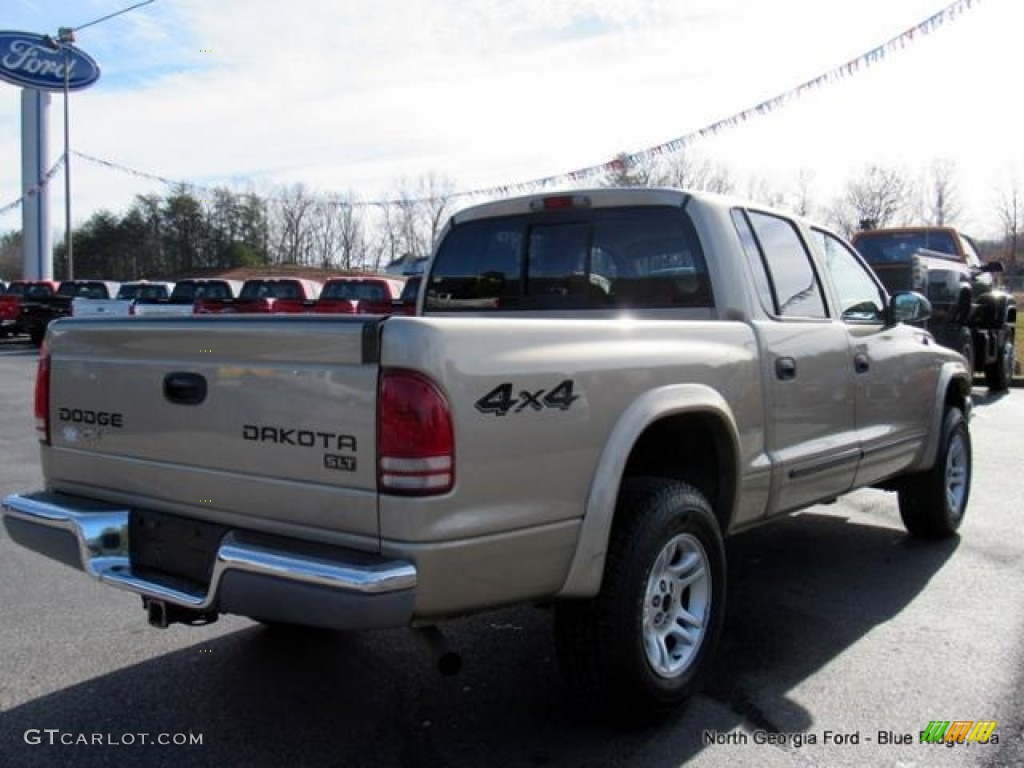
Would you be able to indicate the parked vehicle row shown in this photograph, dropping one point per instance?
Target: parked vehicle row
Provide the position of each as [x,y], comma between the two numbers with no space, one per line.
[29,306]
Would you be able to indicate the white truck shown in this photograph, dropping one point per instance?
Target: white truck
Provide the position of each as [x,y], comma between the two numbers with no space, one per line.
[123,303]
[595,389]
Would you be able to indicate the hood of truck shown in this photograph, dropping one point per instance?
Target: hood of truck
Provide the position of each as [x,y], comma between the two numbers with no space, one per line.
[233,419]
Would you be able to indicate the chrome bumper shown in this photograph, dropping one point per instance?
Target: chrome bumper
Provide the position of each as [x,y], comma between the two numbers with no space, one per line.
[271,578]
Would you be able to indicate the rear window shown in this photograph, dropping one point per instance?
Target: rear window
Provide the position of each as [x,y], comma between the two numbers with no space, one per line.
[899,247]
[270,289]
[35,291]
[83,290]
[355,290]
[631,257]
[186,293]
[152,292]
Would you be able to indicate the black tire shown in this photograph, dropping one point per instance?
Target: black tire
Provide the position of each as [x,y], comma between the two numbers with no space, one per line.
[37,335]
[933,503]
[999,374]
[606,644]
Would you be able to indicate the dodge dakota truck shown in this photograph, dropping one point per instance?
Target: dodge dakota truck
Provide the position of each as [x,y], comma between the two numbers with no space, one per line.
[595,389]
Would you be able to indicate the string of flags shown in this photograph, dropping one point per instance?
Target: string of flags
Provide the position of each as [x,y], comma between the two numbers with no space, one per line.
[852,67]
[37,187]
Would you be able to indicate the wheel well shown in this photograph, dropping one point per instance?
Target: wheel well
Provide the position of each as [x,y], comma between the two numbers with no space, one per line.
[956,395]
[694,448]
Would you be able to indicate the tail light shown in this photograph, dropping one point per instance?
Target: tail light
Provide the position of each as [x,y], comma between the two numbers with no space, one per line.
[416,444]
[42,395]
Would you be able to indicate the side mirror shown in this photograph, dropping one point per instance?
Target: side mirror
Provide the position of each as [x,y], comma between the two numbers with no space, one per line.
[908,307]
[992,266]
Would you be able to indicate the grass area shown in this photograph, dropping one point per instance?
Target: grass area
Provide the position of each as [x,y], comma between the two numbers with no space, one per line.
[1019,365]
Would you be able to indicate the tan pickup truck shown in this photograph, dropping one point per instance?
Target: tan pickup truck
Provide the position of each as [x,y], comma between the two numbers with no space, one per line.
[595,389]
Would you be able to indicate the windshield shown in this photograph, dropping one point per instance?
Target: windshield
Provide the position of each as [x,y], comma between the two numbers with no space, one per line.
[899,247]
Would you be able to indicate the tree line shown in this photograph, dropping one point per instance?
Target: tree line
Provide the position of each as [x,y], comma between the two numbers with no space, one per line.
[191,232]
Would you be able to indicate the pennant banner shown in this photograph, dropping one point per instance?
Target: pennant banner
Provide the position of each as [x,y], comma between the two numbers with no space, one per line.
[851,67]
[35,188]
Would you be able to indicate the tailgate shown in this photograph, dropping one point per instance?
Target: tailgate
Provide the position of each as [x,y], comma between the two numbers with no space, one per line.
[224,418]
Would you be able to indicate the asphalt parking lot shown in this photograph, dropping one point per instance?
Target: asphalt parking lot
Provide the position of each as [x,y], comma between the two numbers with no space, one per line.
[844,639]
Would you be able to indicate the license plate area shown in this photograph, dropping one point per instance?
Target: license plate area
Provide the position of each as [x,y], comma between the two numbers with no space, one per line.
[174,550]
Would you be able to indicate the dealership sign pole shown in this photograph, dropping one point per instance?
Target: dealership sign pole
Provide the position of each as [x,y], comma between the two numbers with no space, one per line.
[41,64]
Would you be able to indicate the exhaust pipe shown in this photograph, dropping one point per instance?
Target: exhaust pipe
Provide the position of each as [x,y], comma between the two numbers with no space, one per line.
[449,662]
[161,614]
[156,613]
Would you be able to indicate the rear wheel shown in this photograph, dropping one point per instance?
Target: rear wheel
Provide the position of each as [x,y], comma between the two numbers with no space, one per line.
[933,503]
[644,642]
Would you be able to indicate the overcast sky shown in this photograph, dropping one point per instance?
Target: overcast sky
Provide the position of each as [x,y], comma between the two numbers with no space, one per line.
[351,96]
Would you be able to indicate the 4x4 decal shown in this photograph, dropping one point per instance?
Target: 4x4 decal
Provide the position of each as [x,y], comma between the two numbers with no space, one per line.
[501,399]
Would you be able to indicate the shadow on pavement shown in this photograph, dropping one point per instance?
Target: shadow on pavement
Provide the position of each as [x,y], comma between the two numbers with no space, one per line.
[988,397]
[801,592]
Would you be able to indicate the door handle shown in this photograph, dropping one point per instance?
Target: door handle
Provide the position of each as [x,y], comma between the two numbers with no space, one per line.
[184,388]
[861,363]
[785,368]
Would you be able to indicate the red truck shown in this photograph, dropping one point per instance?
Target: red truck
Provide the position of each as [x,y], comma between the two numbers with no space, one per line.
[359,295]
[265,295]
[10,303]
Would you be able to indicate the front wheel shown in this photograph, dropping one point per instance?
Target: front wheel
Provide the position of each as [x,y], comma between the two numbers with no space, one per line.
[1000,373]
[644,642]
[933,503]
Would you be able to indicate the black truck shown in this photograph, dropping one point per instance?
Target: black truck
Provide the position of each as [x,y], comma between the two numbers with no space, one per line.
[37,313]
[969,313]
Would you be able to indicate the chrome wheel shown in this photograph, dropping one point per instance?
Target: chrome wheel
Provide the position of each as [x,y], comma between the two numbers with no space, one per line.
[957,474]
[677,605]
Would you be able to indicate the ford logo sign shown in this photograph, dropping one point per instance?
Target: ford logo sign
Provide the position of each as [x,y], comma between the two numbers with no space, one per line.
[27,59]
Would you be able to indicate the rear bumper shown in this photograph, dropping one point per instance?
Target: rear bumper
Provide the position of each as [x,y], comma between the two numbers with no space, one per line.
[271,578]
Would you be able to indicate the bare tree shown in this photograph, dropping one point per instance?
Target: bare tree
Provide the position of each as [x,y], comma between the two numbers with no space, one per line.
[351,236]
[630,171]
[436,193]
[325,230]
[799,198]
[290,224]
[761,190]
[876,197]
[1010,209]
[941,194]
[413,220]
[687,170]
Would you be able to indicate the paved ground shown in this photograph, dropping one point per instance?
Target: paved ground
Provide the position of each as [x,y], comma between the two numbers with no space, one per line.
[838,624]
